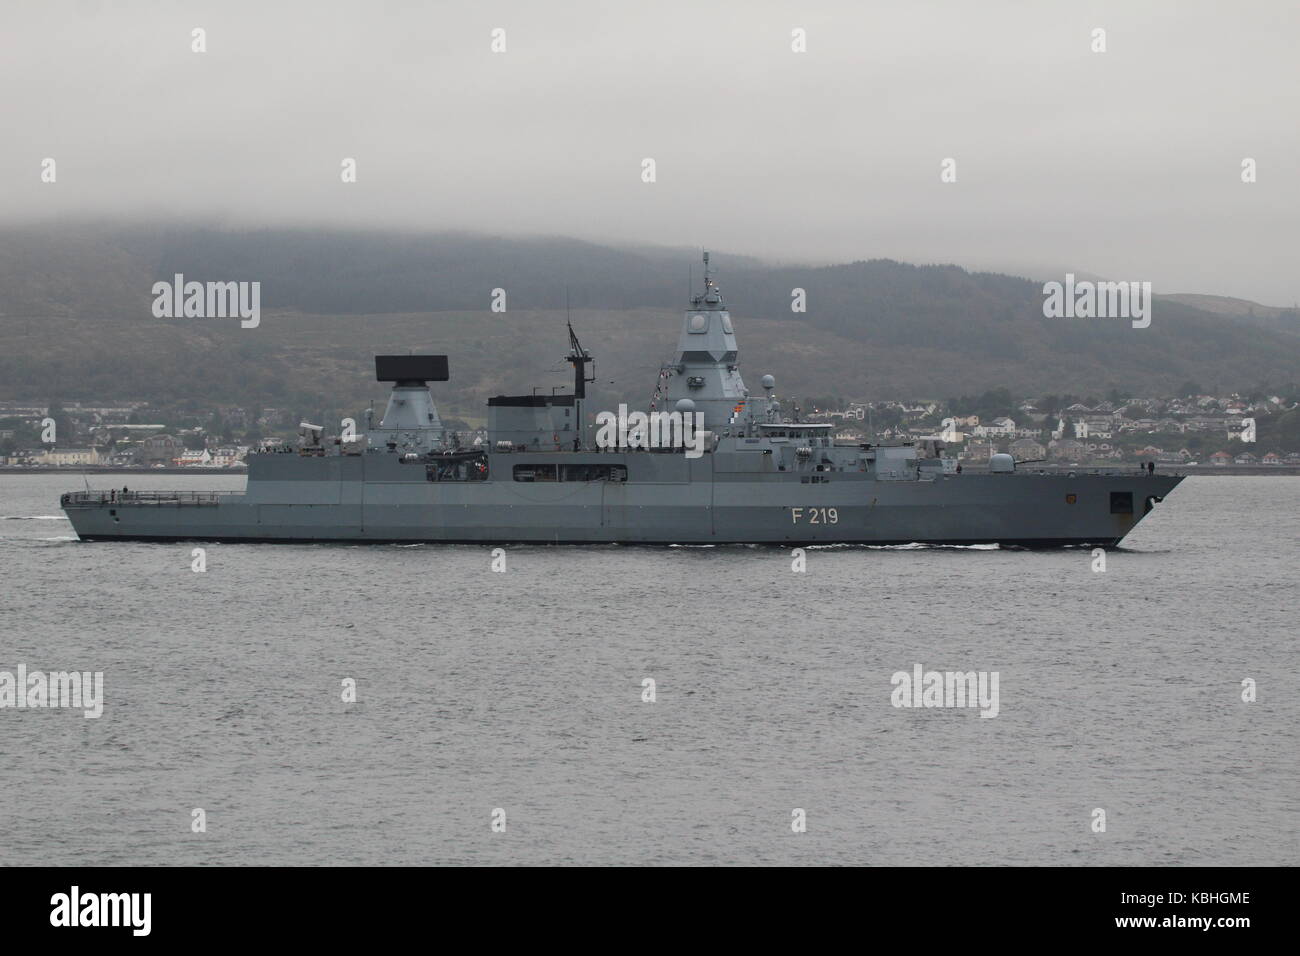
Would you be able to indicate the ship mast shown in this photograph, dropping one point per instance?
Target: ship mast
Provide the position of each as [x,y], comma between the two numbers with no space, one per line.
[705,372]
[712,295]
[579,358]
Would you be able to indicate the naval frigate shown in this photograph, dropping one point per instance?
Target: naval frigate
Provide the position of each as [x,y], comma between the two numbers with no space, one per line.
[752,475]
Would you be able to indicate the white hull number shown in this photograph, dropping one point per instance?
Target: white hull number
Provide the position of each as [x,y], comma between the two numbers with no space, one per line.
[814,515]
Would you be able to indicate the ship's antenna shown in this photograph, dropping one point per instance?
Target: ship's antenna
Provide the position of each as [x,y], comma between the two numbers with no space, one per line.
[711,293]
[580,358]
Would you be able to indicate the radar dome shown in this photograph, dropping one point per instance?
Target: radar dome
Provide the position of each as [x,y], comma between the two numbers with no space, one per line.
[685,405]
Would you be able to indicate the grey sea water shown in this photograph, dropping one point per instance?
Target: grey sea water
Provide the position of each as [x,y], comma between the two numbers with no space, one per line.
[522,691]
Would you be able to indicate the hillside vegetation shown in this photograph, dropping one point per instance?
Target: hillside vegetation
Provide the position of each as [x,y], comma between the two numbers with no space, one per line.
[77,322]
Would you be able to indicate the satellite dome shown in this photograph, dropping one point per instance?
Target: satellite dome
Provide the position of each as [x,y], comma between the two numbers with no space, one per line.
[768,381]
[685,405]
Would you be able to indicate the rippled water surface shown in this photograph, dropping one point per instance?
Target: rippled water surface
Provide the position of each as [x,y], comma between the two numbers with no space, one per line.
[522,690]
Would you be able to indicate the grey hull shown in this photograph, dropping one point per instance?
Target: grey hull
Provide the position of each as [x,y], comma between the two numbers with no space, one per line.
[667,499]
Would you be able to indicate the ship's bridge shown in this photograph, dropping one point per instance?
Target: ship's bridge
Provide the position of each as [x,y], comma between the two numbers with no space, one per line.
[818,434]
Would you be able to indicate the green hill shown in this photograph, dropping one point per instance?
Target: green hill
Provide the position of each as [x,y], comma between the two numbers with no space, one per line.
[77,322]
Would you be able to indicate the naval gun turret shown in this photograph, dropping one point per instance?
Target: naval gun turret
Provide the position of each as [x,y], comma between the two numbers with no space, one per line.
[410,424]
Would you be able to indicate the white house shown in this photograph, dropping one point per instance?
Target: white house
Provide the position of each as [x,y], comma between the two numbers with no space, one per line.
[998,428]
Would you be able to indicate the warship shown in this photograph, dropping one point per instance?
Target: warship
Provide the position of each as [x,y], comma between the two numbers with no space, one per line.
[745,474]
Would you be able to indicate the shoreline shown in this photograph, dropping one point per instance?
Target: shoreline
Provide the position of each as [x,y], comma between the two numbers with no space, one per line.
[1237,470]
[97,470]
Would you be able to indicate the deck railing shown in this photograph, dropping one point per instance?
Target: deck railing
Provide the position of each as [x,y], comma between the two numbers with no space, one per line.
[103,499]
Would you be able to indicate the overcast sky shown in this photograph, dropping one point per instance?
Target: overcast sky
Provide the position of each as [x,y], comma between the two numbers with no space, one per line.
[1125,163]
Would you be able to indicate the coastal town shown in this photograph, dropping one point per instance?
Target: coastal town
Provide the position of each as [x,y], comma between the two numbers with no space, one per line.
[1193,431]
